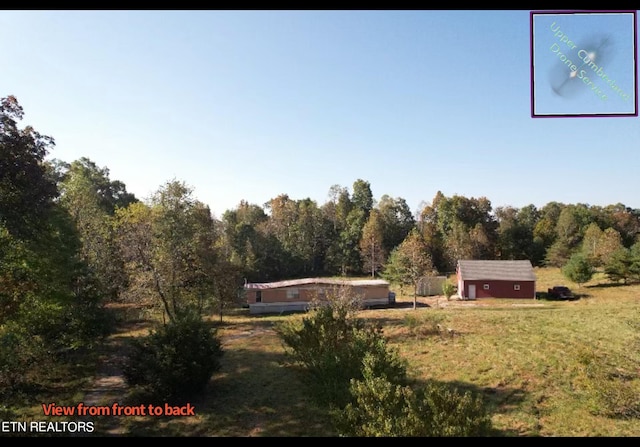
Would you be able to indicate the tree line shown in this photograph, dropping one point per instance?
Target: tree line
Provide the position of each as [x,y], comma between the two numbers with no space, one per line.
[353,234]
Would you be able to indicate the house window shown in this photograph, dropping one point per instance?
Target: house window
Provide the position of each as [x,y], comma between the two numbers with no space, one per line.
[258,296]
[516,287]
[293,294]
[485,286]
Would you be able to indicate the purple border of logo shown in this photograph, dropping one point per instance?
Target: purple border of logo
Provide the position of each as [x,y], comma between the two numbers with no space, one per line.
[635,64]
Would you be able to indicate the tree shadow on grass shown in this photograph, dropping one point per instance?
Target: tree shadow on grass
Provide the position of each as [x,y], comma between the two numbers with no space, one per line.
[607,285]
[254,393]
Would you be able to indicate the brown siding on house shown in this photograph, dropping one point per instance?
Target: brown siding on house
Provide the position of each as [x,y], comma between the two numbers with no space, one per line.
[501,289]
[310,289]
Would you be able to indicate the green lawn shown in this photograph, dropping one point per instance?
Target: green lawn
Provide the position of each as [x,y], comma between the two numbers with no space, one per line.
[544,368]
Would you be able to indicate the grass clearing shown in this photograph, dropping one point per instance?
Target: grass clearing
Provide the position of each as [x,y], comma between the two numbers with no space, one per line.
[544,368]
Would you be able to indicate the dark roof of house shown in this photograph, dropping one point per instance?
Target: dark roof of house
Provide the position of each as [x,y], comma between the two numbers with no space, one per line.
[496,270]
[316,281]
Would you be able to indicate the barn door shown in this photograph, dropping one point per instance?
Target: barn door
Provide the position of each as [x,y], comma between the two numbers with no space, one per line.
[472,291]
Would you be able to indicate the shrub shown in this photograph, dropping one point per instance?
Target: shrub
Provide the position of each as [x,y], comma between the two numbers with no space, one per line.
[23,359]
[41,335]
[348,366]
[175,361]
[448,289]
[330,347]
[382,408]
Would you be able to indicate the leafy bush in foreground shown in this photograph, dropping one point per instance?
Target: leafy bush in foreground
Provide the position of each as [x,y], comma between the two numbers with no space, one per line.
[175,361]
[381,408]
[331,347]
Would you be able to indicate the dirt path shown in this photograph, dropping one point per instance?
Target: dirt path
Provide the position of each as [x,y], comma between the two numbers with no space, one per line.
[108,386]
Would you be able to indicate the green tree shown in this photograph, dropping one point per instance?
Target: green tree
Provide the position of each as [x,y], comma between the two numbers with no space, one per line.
[111,194]
[347,251]
[410,262]
[336,210]
[362,197]
[394,270]
[48,300]
[610,242]
[172,252]
[251,246]
[572,224]
[448,289]
[89,196]
[371,244]
[516,234]
[619,266]
[578,269]
[349,242]
[466,227]
[434,239]
[397,221]
[591,244]
[544,232]
[625,221]
[558,253]
[26,189]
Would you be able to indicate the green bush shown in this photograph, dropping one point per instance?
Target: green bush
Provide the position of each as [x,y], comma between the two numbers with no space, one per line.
[23,359]
[348,366]
[330,346]
[383,409]
[175,361]
[448,289]
[42,334]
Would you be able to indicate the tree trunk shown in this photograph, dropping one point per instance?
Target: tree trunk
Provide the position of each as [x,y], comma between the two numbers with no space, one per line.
[415,296]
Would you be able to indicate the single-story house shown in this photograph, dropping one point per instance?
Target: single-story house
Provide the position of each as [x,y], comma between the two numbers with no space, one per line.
[297,294]
[495,279]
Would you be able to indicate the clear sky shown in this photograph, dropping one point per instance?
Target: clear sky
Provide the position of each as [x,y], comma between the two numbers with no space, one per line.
[247,105]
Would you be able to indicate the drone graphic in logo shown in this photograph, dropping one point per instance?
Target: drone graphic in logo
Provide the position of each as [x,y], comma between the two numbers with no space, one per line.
[574,72]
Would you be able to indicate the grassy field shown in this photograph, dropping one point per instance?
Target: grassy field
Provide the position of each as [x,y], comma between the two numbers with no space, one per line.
[544,368]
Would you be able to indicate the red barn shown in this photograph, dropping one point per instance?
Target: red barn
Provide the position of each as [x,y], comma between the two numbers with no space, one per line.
[495,279]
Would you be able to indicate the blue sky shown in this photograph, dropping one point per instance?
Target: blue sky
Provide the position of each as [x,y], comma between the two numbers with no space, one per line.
[247,105]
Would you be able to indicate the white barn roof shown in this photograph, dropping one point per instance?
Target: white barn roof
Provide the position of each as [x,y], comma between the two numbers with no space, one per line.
[476,270]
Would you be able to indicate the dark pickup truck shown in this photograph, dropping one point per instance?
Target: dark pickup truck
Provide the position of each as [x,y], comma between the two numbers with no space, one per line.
[560,293]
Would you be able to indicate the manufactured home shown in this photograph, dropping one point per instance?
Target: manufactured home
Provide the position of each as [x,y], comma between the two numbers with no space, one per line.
[297,294]
[495,279]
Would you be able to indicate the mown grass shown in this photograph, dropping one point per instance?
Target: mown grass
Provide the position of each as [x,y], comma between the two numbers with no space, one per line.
[544,368]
